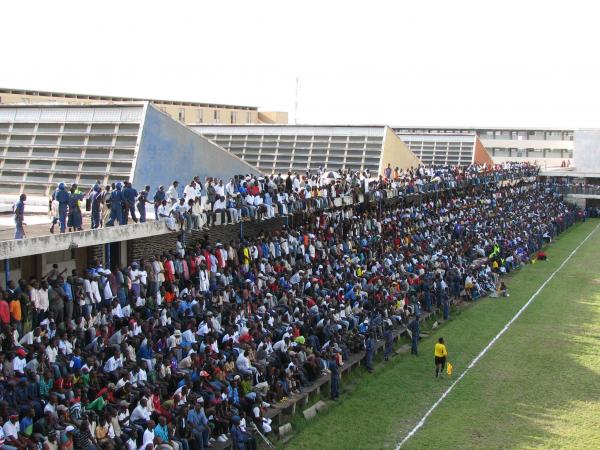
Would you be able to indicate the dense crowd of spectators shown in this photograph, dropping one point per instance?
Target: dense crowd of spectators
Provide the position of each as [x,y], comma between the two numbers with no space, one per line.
[197,205]
[192,346]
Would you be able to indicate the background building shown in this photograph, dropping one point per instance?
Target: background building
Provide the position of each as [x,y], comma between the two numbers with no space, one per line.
[186,112]
[281,148]
[587,156]
[42,145]
[549,147]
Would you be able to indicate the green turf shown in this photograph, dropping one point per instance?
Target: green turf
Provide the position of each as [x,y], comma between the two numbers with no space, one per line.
[537,387]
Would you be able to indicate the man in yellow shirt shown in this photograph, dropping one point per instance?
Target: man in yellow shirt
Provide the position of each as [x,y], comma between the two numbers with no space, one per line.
[440,352]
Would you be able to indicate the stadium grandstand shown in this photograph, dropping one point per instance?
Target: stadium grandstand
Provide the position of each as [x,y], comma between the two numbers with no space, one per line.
[42,145]
[283,148]
[441,149]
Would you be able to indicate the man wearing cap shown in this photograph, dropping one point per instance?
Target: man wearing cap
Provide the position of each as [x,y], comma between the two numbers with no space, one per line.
[199,424]
[242,440]
[12,432]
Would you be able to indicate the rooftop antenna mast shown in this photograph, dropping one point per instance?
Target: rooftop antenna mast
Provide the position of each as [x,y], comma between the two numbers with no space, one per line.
[296,102]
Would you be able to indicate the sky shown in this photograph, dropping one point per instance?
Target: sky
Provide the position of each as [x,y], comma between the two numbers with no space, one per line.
[429,63]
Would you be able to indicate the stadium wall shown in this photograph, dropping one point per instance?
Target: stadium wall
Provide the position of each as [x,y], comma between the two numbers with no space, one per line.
[170,151]
[396,153]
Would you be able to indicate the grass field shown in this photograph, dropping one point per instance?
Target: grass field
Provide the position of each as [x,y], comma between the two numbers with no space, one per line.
[537,387]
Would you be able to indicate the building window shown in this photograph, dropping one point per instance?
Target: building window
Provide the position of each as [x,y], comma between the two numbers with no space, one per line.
[248,117]
[200,115]
[216,115]
[181,114]
[232,116]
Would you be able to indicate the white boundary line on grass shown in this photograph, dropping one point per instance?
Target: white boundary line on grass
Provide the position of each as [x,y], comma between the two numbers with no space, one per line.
[487,347]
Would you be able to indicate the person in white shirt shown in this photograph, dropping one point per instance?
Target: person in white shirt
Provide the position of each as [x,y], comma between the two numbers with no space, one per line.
[172,194]
[190,191]
[230,187]
[19,362]
[138,377]
[141,413]
[243,364]
[12,429]
[282,345]
[220,189]
[219,207]
[148,439]
[249,203]
[114,362]
[164,214]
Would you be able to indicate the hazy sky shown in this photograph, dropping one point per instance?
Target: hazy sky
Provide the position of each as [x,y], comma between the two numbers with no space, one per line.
[495,63]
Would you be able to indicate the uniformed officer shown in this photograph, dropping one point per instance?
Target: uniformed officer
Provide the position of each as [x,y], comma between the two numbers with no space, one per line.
[129,195]
[116,205]
[62,196]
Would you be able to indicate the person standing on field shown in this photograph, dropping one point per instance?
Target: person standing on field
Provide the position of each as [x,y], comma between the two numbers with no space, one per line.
[440,352]
[415,331]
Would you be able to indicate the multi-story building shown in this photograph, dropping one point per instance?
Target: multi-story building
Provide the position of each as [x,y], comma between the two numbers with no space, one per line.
[549,147]
[184,111]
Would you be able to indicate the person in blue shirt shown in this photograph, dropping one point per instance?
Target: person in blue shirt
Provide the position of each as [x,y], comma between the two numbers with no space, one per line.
[333,367]
[129,195]
[75,220]
[369,352]
[388,337]
[159,196]
[242,440]
[62,196]
[145,353]
[414,329]
[116,206]
[199,424]
[141,203]
[19,210]
[161,431]
[67,286]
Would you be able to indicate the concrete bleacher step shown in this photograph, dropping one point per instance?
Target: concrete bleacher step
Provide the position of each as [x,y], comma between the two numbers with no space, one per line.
[405,348]
[311,412]
[285,429]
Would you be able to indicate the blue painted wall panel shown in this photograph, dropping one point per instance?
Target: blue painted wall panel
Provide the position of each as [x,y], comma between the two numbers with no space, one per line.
[171,151]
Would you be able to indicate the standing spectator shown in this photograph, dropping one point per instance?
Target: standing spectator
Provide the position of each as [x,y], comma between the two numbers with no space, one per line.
[172,195]
[19,210]
[142,201]
[75,221]
[369,352]
[96,206]
[333,367]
